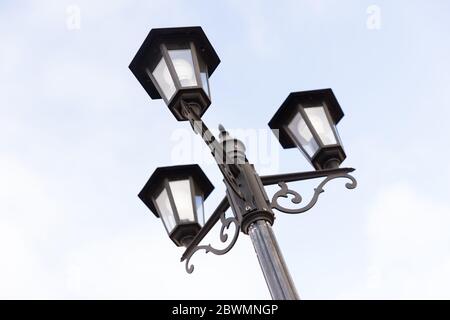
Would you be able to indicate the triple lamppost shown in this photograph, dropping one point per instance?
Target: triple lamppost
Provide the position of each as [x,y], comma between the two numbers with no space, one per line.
[174,64]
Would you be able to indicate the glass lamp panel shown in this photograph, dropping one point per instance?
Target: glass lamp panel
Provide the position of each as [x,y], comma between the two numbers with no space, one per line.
[204,76]
[165,81]
[200,209]
[165,210]
[303,135]
[339,141]
[181,192]
[184,66]
[321,124]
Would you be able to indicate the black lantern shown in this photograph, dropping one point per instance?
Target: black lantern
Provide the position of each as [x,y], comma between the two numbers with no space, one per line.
[174,64]
[307,120]
[176,194]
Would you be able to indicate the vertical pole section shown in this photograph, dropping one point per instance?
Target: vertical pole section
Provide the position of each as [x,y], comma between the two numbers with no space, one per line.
[275,271]
[256,218]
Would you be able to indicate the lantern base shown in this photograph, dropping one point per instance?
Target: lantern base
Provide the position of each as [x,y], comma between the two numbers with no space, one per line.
[327,157]
[196,96]
[183,232]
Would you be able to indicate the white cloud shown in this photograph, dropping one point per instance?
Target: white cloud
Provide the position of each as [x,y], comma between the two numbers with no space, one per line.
[18,265]
[27,215]
[408,247]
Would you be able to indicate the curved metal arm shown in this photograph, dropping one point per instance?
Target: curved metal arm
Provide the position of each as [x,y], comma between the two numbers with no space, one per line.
[297,198]
[226,165]
[226,223]
[304,175]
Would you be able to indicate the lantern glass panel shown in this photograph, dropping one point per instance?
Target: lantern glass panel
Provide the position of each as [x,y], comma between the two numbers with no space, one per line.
[164,79]
[165,210]
[184,66]
[200,209]
[303,135]
[204,76]
[182,195]
[321,124]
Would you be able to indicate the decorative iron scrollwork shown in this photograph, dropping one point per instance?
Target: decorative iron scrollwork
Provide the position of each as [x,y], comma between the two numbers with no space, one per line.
[226,223]
[297,198]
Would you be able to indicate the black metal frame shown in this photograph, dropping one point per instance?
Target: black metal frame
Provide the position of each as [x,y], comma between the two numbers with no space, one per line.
[296,103]
[160,180]
[156,47]
[245,192]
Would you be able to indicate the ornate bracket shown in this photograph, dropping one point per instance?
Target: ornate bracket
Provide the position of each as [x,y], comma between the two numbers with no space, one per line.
[297,198]
[218,214]
[226,222]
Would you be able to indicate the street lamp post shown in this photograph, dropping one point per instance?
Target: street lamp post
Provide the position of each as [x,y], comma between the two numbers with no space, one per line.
[174,64]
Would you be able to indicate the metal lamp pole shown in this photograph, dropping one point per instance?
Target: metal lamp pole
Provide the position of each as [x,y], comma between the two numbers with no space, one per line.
[251,204]
[258,224]
[271,260]
[174,64]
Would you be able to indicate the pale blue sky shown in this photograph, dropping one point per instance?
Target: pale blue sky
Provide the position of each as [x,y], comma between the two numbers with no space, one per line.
[79,137]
